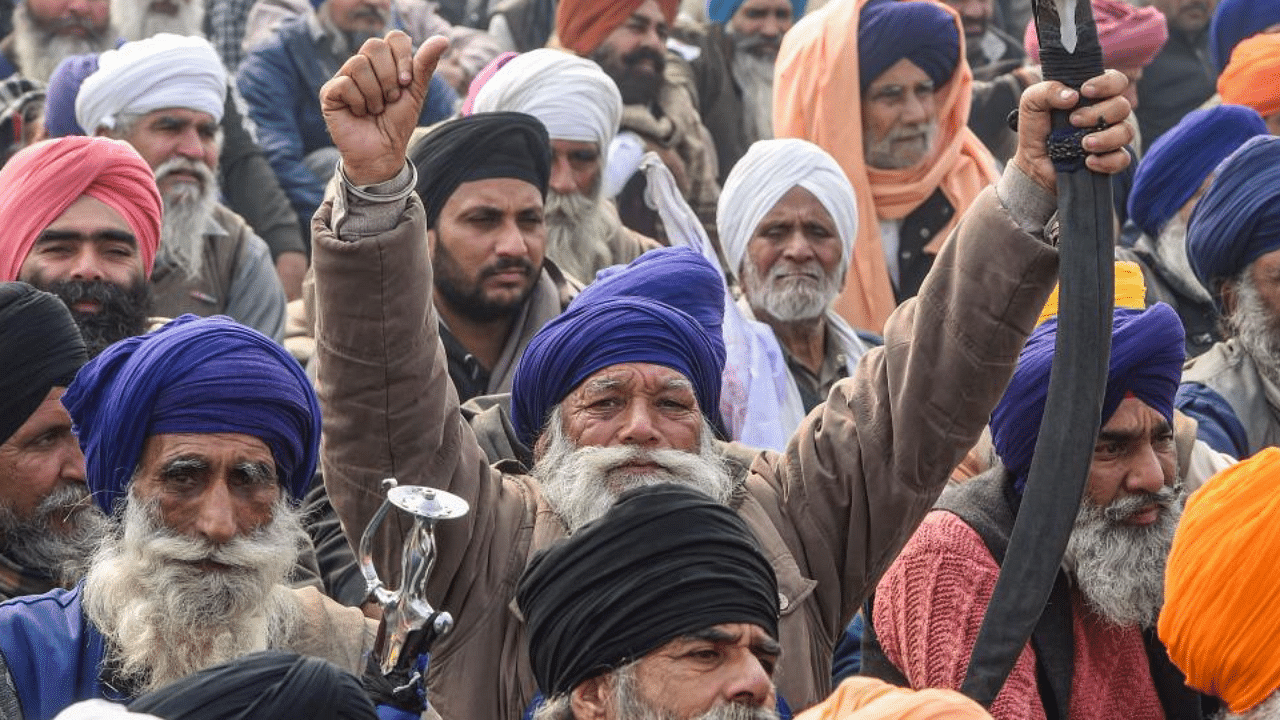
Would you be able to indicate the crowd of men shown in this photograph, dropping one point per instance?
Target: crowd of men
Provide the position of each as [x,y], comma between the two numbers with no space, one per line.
[732,323]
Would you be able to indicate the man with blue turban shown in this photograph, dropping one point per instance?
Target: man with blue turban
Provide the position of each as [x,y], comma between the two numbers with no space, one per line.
[1233,242]
[621,392]
[1237,20]
[199,440]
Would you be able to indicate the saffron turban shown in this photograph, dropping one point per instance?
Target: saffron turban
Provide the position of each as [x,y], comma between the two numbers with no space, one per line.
[1220,591]
[1147,353]
[1235,20]
[865,698]
[163,71]
[570,95]
[590,337]
[43,180]
[1131,37]
[1253,76]
[769,170]
[719,11]
[923,33]
[663,562]
[1176,165]
[1131,291]
[194,375]
[40,349]
[1238,218]
[582,25]
[480,147]
[60,100]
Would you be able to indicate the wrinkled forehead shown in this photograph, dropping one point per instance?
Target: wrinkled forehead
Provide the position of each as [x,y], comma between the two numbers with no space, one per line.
[633,378]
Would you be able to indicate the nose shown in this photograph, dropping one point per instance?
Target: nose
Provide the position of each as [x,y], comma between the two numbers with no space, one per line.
[772,26]
[190,145]
[562,176]
[638,426]
[78,7]
[750,683]
[797,249]
[216,516]
[87,264]
[915,110]
[1146,473]
[510,240]
[73,463]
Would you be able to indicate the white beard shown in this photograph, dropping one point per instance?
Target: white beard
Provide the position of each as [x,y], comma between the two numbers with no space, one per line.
[790,299]
[580,231]
[165,617]
[39,50]
[754,75]
[1255,328]
[187,211]
[137,21]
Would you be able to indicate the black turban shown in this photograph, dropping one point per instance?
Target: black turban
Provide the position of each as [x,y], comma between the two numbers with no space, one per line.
[271,684]
[664,562]
[480,147]
[40,349]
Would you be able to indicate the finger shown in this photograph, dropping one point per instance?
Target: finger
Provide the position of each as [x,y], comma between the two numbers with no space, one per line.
[1110,163]
[401,46]
[360,70]
[382,62]
[1113,138]
[425,61]
[1109,111]
[1109,84]
[340,93]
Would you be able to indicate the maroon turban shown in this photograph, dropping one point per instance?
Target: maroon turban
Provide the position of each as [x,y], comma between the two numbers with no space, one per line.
[1131,37]
[581,25]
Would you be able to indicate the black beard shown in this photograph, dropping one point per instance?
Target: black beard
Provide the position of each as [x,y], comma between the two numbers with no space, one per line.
[470,302]
[638,87]
[123,312]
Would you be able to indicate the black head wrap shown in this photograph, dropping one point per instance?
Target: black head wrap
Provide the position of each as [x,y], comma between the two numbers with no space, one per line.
[40,349]
[272,684]
[665,561]
[480,147]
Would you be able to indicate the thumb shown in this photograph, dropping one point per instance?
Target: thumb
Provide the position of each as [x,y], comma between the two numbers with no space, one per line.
[424,64]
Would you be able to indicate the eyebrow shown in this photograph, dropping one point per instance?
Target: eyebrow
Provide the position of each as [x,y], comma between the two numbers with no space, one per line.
[106,235]
[184,464]
[678,383]
[766,645]
[259,472]
[1129,435]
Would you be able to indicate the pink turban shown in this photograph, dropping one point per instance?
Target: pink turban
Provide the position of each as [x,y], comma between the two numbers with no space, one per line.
[39,183]
[1131,37]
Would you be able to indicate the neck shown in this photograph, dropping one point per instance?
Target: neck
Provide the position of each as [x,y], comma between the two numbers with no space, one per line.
[805,340]
[484,339]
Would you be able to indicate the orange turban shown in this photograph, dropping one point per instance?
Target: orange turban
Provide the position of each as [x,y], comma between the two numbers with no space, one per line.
[581,25]
[1253,76]
[39,183]
[1221,585]
[864,698]
[817,97]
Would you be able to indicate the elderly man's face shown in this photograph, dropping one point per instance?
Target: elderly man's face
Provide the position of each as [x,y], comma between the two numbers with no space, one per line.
[899,117]
[39,458]
[975,15]
[139,19]
[180,145]
[75,18]
[575,168]
[360,16]
[794,262]
[1134,456]
[634,54]
[637,404]
[766,21]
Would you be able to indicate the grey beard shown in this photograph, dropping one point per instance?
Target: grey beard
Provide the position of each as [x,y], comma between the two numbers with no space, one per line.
[754,77]
[64,553]
[39,50]
[1255,328]
[582,483]
[1119,567]
[187,212]
[580,230]
[136,21]
[1268,709]
[1171,251]
[880,154]
[165,617]
[787,300]
[630,705]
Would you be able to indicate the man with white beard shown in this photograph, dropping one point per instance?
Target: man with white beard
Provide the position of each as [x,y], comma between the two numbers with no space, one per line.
[1091,654]
[165,96]
[581,108]
[633,386]
[141,19]
[202,487]
[46,31]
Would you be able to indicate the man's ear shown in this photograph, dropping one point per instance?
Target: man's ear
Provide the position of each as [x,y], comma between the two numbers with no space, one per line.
[1228,292]
[592,698]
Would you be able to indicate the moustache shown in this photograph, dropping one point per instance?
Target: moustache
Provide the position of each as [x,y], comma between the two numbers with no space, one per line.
[1124,508]
[508,264]
[635,57]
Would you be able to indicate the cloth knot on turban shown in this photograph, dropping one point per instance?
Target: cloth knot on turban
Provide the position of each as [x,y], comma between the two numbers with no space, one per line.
[1147,353]
[1235,20]
[663,562]
[41,181]
[194,375]
[582,25]
[570,95]
[1131,37]
[480,147]
[922,32]
[1176,165]
[163,71]
[769,170]
[64,86]
[1252,76]
[589,337]
[720,11]
[1220,586]
[40,349]
[1238,218]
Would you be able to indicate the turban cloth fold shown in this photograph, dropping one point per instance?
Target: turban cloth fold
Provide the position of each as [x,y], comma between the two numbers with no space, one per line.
[64,86]
[921,32]
[41,181]
[1253,76]
[163,71]
[1176,164]
[480,147]
[719,11]
[271,684]
[663,562]
[582,25]
[865,698]
[1235,20]
[482,78]
[769,170]
[40,349]
[1238,218]
[194,375]
[1131,37]
[1147,353]
[570,95]
[590,337]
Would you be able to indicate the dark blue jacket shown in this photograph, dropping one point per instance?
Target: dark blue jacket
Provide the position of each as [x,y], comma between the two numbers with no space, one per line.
[53,652]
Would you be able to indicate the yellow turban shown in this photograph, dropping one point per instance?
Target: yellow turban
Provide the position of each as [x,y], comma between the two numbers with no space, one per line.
[1251,76]
[863,698]
[1131,291]
[1222,585]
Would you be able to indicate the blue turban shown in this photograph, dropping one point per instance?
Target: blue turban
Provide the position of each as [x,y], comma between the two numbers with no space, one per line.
[719,11]
[1178,162]
[60,100]
[1236,20]
[1238,219]
[589,337]
[194,375]
[922,32]
[1146,361]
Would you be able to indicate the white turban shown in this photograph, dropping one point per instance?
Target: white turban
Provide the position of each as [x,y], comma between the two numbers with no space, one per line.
[767,172]
[572,96]
[164,71]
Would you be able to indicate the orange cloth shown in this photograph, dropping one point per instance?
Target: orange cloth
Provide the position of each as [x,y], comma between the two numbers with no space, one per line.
[581,25]
[1253,76]
[816,97]
[864,698]
[1221,585]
